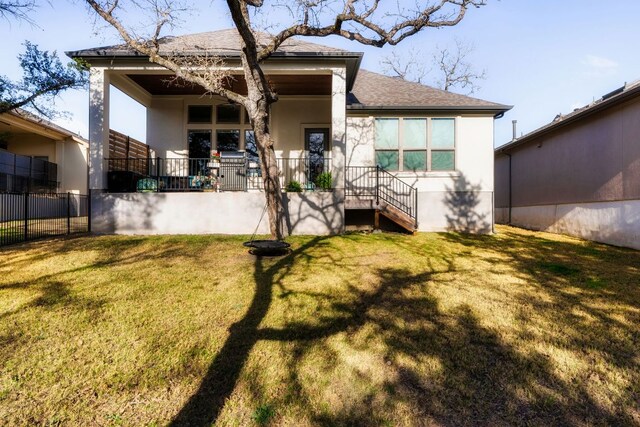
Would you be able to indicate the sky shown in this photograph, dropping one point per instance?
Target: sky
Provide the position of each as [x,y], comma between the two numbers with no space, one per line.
[544,57]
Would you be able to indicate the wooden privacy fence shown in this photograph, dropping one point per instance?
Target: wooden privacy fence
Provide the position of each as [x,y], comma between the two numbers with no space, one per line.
[122,146]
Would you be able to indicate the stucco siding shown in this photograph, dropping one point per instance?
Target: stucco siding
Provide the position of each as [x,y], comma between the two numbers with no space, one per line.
[32,145]
[463,211]
[594,160]
[167,124]
[447,200]
[165,128]
[74,171]
[290,116]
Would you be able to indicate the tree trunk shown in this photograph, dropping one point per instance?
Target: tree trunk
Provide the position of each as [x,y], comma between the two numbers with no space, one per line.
[270,175]
[258,100]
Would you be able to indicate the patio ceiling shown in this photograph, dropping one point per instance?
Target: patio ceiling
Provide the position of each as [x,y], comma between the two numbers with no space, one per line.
[158,84]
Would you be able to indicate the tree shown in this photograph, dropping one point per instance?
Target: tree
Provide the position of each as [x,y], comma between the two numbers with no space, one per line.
[453,70]
[43,75]
[371,22]
[18,10]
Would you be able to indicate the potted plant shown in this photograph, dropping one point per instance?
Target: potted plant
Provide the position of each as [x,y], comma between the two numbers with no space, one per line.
[293,187]
[214,162]
[324,181]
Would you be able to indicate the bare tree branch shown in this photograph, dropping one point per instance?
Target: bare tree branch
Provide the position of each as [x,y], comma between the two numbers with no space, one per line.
[18,10]
[409,67]
[451,70]
[360,23]
[192,69]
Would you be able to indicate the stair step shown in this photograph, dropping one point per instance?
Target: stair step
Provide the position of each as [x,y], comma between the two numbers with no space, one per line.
[399,217]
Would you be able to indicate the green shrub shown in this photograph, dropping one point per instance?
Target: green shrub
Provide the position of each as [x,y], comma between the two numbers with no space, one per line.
[324,181]
[294,187]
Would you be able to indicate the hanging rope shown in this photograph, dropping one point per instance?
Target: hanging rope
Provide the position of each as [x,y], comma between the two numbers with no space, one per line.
[266,247]
[253,236]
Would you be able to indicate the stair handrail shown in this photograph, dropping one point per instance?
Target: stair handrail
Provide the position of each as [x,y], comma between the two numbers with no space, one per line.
[410,206]
[382,191]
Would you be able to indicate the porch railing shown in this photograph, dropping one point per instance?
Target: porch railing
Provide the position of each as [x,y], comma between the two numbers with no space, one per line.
[377,184]
[22,174]
[198,174]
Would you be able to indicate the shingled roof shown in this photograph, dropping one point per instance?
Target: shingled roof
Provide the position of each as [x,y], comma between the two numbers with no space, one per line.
[369,91]
[373,91]
[222,42]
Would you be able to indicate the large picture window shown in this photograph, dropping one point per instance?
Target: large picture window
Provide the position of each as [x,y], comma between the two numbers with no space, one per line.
[415,144]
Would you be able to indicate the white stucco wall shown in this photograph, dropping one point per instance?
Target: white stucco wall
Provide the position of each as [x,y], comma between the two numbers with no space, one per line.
[213,213]
[291,115]
[165,127]
[614,223]
[461,199]
[167,124]
[74,171]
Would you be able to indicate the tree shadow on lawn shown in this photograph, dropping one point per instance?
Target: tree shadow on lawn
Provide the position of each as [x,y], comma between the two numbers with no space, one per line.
[52,291]
[482,379]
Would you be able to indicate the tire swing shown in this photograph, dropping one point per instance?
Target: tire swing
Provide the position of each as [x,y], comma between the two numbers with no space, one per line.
[266,247]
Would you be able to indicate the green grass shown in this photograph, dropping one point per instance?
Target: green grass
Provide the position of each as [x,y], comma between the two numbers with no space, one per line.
[383,329]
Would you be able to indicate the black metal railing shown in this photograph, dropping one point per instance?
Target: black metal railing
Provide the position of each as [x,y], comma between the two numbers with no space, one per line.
[306,171]
[29,216]
[22,174]
[198,174]
[377,184]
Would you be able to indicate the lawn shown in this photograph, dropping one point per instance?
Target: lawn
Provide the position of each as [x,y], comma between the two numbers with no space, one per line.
[382,329]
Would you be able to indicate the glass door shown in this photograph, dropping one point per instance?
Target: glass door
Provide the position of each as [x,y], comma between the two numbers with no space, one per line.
[199,151]
[316,142]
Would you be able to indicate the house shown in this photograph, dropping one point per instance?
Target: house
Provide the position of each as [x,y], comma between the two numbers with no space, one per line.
[39,156]
[333,124]
[579,174]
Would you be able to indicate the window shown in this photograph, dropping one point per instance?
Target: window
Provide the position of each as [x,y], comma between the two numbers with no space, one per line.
[387,147]
[250,147]
[405,144]
[228,139]
[442,144]
[228,113]
[199,113]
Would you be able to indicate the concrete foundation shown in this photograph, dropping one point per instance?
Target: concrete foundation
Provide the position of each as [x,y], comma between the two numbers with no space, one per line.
[316,213]
[614,223]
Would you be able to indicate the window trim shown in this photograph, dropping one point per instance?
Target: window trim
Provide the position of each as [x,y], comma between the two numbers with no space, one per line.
[214,127]
[429,148]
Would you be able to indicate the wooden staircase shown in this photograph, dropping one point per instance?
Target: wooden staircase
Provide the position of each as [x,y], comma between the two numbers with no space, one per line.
[397,216]
[372,187]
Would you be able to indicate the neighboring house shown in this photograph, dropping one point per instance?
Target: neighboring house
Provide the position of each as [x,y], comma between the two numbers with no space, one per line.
[39,156]
[578,175]
[332,125]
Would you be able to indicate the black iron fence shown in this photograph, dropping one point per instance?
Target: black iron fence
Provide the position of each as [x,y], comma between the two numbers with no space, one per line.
[376,183]
[202,174]
[28,216]
[22,174]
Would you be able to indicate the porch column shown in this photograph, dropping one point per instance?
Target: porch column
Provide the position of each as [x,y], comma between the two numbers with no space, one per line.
[338,126]
[98,127]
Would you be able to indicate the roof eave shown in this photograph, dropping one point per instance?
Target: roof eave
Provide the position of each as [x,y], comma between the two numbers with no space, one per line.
[496,109]
[353,59]
[551,127]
